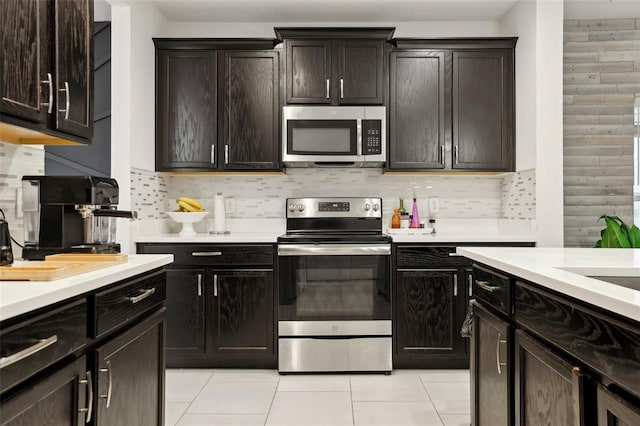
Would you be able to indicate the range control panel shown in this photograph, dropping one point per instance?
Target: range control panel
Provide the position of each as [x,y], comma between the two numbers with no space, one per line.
[354,207]
[371,137]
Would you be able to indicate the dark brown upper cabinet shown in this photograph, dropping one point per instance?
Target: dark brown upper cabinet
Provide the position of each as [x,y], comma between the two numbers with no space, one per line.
[451,105]
[217,105]
[337,66]
[47,71]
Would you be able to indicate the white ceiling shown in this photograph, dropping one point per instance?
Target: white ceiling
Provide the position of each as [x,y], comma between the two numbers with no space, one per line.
[376,10]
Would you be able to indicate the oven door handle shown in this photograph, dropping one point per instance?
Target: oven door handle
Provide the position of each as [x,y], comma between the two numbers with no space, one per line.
[334,249]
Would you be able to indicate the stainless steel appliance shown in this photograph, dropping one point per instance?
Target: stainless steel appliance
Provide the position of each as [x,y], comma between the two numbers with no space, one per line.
[334,136]
[334,295]
[6,254]
[70,214]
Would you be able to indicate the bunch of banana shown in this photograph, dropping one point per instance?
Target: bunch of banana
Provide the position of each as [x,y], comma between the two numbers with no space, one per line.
[186,204]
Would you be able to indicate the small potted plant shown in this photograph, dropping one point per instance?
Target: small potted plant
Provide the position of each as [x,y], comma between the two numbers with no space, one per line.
[618,234]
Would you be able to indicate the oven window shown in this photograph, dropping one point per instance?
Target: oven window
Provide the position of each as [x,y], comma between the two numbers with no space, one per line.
[323,137]
[334,288]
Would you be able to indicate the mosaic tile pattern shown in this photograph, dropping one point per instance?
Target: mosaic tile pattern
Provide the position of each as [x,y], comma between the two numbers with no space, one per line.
[149,191]
[519,195]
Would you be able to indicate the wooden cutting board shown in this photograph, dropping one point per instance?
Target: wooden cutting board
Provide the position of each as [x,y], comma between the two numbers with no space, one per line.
[63,265]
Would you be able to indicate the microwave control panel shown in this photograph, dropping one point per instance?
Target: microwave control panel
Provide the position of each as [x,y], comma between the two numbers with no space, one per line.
[371,137]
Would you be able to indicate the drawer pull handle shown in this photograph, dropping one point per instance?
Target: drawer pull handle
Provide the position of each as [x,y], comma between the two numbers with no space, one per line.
[215,285]
[142,296]
[454,254]
[109,388]
[26,353]
[87,410]
[498,363]
[206,253]
[485,286]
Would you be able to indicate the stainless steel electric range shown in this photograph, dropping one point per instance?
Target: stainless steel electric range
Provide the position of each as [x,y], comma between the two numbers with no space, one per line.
[334,296]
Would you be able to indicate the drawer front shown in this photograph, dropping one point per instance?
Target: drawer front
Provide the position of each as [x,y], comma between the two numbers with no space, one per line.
[492,288]
[30,346]
[215,255]
[122,303]
[429,257]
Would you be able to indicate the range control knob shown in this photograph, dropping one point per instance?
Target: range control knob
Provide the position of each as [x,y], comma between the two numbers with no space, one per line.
[367,207]
[376,207]
[301,207]
[292,208]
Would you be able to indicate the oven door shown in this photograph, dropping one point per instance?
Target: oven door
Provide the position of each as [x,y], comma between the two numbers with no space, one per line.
[334,282]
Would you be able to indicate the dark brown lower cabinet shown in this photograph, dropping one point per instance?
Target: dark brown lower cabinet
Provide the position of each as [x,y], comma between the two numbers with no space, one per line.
[614,410]
[491,370]
[130,382]
[56,400]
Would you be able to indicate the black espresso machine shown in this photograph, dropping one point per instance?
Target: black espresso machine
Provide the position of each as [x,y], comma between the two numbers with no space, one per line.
[70,214]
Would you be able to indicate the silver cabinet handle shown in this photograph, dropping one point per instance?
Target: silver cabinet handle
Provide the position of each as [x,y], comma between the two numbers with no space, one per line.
[470,279]
[109,388]
[226,154]
[145,293]
[327,89]
[485,286]
[442,154]
[454,254]
[333,249]
[215,285]
[455,153]
[206,253]
[341,88]
[49,82]
[26,353]
[213,154]
[199,285]
[89,408]
[68,101]
[455,285]
[498,363]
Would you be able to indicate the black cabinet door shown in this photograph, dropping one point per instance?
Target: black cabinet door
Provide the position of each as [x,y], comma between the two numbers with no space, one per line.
[548,389]
[185,313]
[490,370]
[308,71]
[243,314]
[130,383]
[25,68]
[614,410]
[186,110]
[419,110]
[427,318]
[483,125]
[74,66]
[59,399]
[360,72]
[250,107]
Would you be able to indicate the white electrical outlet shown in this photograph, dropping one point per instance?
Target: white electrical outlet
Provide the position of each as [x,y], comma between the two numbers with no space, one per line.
[230,205]
[434,205]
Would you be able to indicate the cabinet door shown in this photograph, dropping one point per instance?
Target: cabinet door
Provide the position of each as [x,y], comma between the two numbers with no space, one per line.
[360,70]
[427,315]
[74,66]
[308,71]
[186,110]
[185,313]
[483,125]
[613,410]
[250,106]
[130,373]
[418,111]
[24,52]
[243,313]
[490,370]
[59,399]
[548,389]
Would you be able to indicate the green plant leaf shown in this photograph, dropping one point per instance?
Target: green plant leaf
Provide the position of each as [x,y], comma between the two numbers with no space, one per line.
[616,232]
[634,236]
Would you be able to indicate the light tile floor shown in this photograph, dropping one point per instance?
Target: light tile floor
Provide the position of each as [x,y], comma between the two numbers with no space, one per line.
[263,397]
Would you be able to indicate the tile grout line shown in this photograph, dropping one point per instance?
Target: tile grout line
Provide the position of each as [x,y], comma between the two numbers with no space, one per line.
[430,400]
[353,413]
[272,399]
[192,399]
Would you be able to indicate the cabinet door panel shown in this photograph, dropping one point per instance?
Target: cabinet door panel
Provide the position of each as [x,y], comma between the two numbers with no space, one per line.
[185,312]
[418,110]
[186,123]
[23,30]
[74,66]
[308,70]
[250,106]
[243,312]
[613,410]
[483,110]
[360,69]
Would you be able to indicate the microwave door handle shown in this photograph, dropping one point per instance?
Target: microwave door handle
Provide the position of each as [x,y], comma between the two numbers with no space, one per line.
[359,138]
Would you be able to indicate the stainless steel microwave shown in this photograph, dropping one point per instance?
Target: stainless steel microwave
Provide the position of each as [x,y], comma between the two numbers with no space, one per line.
[316,136]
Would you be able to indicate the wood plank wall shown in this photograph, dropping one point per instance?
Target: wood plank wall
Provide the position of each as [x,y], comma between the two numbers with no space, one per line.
[601,78]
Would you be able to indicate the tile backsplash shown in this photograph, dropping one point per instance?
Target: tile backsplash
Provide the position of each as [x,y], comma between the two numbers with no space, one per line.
[149,192]
[519,195]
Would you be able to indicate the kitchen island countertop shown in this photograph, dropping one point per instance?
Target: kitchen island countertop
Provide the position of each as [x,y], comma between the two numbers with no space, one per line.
[569,271]
[20,297]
